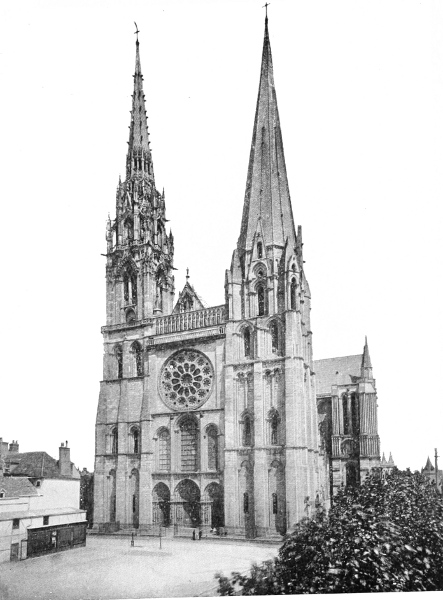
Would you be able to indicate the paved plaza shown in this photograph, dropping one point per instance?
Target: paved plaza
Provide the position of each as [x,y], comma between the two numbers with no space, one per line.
[109,568]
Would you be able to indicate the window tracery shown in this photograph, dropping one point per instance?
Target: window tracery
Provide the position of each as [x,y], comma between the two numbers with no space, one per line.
[186,380]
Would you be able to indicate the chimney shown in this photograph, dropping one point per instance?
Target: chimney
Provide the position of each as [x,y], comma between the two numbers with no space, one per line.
[64,460]
[13,446]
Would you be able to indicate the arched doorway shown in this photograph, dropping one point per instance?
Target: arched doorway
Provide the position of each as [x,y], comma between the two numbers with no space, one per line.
[215,494]
[161,504]
[189,493]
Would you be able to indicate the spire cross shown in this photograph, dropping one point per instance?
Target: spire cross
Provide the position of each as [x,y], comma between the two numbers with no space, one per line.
[187,274]
[136,32]
[266,6]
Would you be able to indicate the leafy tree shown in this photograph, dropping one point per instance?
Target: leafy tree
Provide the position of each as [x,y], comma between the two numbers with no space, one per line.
[87,495]
[384,536]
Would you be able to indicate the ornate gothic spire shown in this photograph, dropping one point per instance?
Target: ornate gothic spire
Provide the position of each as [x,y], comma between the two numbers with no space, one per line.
[139,158]
[267,196]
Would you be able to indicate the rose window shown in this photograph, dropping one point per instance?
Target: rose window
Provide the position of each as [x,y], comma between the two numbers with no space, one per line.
[186,380]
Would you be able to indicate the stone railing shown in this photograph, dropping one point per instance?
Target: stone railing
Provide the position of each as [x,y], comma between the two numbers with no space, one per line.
[196,319]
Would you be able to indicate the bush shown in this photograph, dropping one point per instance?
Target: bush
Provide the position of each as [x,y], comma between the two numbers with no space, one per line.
[384,536]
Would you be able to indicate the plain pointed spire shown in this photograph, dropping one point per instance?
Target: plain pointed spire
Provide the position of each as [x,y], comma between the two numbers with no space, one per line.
[267,198]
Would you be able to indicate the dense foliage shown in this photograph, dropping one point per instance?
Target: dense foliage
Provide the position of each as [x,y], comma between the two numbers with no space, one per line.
[386,535]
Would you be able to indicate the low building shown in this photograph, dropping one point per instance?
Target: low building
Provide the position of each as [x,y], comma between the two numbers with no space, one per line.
[39,503]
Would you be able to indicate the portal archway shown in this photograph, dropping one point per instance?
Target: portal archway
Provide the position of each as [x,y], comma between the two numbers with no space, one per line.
[214,492]
[188,495]
[161,504]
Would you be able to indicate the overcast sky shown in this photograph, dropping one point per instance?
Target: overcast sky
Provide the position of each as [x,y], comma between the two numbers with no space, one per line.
[360,95]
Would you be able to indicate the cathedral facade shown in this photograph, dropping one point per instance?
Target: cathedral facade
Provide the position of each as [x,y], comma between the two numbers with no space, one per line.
[214,416]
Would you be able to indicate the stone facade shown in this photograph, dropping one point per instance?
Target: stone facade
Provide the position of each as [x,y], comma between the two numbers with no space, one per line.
[208,416]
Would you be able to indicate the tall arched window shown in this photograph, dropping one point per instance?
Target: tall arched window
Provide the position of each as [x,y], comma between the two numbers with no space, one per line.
[126,287]
[119,358]
[189,444]
[274,427]
[134,288]
[261,300]
[245,502]
[355,415]
[212,434]
[346,429]
[135,434]
[112,496]
[274,504]
[293,292]
[259,250]
[274,336]
[247,342]
[137,351]
[114,441]
[164,450]
[247,431]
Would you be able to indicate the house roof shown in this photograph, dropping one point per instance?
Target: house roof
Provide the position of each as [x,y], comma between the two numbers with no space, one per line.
[342,370]
[34,464]
[17,486]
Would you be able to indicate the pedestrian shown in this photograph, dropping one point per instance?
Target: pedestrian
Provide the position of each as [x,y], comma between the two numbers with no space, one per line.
[193,535]
[200,533]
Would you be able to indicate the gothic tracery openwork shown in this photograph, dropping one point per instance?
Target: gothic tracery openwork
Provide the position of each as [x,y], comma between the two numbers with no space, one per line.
[186,380]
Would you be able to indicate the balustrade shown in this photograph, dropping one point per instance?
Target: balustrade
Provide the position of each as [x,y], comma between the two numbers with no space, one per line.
[191,320]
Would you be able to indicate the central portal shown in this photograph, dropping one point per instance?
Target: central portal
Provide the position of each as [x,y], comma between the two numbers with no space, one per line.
[189,492]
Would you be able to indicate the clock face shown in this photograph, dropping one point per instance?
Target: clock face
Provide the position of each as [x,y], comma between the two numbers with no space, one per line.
[186,380]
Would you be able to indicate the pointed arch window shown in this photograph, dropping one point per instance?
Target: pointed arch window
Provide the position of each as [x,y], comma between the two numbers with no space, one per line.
[189,444]
[273,422]
[134,288]
[274,504]
[114,441]
[137,351]
[259,250]
[164,450]
[275,341]
[119,358]
[293,292]
[346,428]
[247,343]
[261,300]
[126,287]
[135,435]
[247,431]
[245,502]
[213,461]
[355,415]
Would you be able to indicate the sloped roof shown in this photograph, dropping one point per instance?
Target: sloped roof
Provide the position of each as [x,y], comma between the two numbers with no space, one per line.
[188,293]
[33,464]
[17,486]
[342,370]
[42,512]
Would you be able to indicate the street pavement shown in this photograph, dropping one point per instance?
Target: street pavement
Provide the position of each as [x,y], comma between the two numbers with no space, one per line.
[109,568]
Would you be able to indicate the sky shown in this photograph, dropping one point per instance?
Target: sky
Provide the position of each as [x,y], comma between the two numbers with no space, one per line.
[360,94]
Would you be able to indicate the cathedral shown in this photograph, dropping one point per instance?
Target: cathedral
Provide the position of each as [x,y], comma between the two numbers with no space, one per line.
[218,416]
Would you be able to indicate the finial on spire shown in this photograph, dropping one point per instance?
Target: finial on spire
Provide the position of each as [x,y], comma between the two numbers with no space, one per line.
[266,7]
[137,31]
[187,274]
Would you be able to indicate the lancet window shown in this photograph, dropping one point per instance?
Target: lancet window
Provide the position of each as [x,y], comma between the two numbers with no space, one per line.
[293,293]
[213,461]
[189,444]
[261,300]
[275,341]
[247,431]
[247,343]
[273,427]
[135,439]
[164,450]
[114,441]
[137,351]
[119,359]
[346,427]
[259,250]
